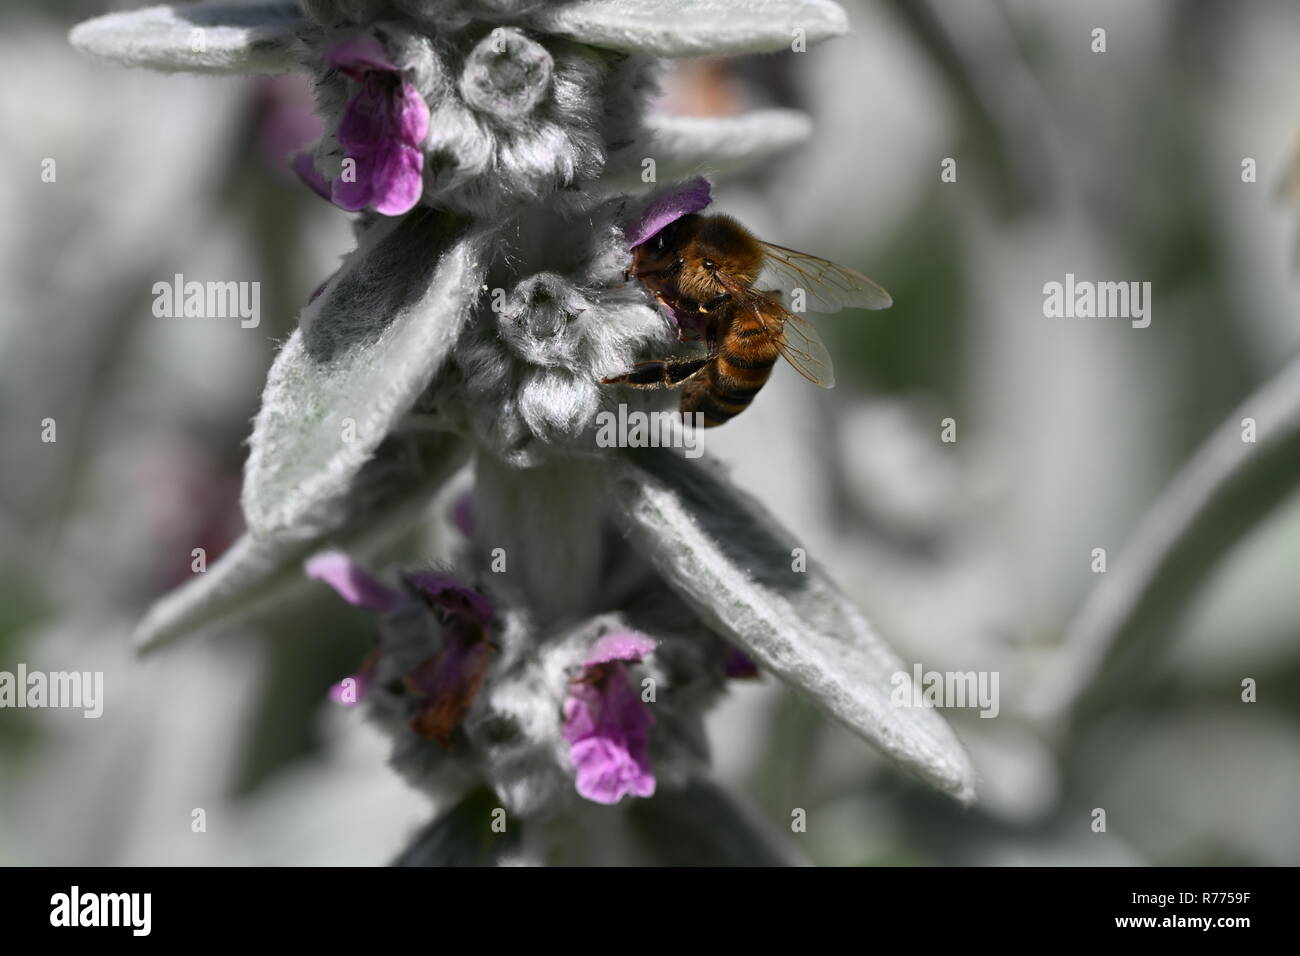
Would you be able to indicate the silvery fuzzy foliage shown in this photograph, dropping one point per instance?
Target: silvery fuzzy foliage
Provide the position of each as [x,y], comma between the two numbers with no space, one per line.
[531,361]
[514,118]
[479,324]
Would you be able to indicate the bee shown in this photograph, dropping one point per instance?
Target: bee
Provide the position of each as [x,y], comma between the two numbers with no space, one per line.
[733,289]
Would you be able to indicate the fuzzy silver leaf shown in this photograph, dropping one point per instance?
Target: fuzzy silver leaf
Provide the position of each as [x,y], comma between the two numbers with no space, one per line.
[255,573]
[686,146]
[367,348]
[694,27]
[727,557]
[210,37]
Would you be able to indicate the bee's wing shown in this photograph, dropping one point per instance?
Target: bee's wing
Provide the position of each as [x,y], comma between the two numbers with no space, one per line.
[826,286]
[794,337]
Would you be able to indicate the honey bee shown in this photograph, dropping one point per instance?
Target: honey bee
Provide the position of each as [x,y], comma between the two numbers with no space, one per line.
[711,271]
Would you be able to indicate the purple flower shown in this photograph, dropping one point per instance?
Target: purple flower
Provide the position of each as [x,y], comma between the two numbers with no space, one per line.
[446,682]
[606,723]
[665,209]
[353,583]
[382,129]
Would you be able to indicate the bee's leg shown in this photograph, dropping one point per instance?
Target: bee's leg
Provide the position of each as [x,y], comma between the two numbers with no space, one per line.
[661,373]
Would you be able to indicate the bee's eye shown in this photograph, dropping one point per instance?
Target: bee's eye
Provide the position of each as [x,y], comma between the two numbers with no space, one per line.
[710,264]
[659,242]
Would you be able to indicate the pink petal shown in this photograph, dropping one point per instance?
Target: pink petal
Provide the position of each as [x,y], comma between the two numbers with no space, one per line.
[607,726]
[398,180]
[412,116]
[619,646]
[352,583]
[367,124]
[667,208]
[383,129]
[358,193]
[607,772]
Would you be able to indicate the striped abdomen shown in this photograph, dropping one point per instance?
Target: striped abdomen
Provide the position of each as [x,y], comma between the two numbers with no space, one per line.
[741,366]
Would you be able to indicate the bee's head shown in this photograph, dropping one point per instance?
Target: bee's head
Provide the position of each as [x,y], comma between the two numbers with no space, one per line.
[720,244]
[685,258]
